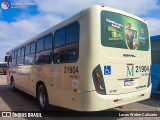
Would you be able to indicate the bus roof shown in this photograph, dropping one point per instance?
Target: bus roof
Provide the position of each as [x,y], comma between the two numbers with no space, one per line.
[156,37]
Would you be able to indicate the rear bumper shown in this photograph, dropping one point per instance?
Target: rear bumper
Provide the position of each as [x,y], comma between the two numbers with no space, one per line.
[96,102]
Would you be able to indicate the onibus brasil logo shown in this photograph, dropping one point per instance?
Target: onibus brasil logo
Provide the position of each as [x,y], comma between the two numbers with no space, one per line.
[5,5]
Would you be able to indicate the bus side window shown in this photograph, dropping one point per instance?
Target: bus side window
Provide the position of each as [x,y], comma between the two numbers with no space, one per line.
[30,54]
[48,41]
[20,56]
[72,55]
[44,50]
[59,42]
[12,54]
[27,53]
[14,60]
[19,52]
[60,55]
[72,38]
[72,34]
[59,38]
[39,49]
[67,51]
[56,58]
[22,52]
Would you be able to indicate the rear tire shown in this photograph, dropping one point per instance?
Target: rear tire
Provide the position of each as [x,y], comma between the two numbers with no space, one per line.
[42,98]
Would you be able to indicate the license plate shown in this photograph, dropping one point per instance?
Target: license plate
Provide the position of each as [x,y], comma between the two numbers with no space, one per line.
[128,82]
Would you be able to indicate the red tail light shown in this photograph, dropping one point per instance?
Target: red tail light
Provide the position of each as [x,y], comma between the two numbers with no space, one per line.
[116,100]
[99,81]
[142,94]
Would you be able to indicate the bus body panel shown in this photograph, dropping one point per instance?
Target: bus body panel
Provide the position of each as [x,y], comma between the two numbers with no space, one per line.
[77,90]
[66,88]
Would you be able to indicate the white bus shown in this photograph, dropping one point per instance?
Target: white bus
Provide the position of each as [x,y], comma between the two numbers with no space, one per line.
[98,59]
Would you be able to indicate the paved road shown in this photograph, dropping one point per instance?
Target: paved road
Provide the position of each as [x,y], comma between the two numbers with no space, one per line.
[19,101]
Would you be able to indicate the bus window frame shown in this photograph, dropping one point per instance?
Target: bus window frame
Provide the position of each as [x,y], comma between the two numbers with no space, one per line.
[49,35]
[29,53]
[44,50]
[65,45]
[15,57]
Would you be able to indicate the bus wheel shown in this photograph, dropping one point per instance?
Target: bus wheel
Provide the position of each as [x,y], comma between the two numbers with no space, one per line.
[42,98]
[13,88]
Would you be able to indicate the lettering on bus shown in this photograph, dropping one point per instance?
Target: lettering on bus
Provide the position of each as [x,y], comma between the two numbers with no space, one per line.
[74,76]
[131,69]
[144,74]
[71,69]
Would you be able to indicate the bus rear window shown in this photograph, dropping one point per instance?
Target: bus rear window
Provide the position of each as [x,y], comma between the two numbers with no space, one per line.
[120,31]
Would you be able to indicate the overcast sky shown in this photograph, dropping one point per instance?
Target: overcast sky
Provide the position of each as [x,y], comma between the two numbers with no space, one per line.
[19,24]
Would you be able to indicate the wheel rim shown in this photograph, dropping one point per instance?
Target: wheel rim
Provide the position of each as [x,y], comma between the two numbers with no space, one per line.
[42,98]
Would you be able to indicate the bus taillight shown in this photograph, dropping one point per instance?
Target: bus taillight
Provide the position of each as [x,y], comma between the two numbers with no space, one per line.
[99,81]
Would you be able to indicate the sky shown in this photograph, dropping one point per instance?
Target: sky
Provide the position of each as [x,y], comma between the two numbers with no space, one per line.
[25,19]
